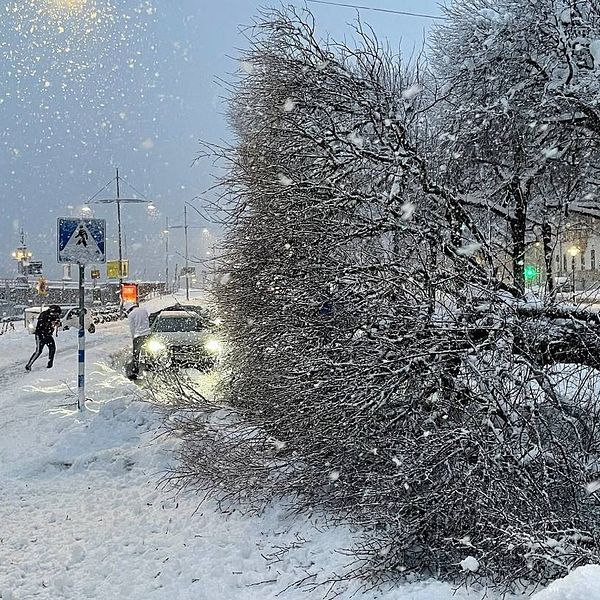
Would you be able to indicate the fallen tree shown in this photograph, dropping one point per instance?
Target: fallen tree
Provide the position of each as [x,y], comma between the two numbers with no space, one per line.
[379,363]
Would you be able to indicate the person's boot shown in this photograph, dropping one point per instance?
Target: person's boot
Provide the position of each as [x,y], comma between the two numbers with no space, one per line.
[28,367]
[50,363]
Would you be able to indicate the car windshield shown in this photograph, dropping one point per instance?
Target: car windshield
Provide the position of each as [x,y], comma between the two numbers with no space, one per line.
[169,324]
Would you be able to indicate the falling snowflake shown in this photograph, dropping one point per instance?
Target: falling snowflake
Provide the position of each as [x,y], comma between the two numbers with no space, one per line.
[412,92]
[289,105]
[284,179]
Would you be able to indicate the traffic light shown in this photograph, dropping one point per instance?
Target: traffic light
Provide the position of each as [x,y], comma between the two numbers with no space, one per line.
[530,272]
[42,286]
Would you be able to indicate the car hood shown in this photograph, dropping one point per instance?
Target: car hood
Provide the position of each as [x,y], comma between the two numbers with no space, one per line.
[182,338]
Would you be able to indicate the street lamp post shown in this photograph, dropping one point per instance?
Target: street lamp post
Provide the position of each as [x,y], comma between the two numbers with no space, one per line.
[119,234]
[187,263]
[166,234]
[118,201]
[186,257]
[185,228]
[573,252]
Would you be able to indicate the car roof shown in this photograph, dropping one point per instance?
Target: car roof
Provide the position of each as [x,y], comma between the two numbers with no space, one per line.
[184,307]
[178,314]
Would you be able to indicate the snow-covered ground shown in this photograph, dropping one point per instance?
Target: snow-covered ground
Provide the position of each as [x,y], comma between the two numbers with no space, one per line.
[81,515]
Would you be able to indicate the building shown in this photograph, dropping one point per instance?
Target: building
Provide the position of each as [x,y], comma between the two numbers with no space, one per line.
[576,255]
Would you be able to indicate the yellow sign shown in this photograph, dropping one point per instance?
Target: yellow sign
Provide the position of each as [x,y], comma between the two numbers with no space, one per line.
[112,269]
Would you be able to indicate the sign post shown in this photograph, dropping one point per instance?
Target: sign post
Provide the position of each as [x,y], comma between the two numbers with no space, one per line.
[81,341]
[81,241]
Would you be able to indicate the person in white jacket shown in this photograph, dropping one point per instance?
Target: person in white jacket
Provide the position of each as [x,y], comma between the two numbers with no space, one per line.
[139,325]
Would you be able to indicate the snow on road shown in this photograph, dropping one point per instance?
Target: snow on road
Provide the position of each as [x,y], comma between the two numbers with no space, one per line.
[81,515]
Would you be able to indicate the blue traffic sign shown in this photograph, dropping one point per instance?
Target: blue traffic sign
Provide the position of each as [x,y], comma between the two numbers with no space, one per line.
[81,241]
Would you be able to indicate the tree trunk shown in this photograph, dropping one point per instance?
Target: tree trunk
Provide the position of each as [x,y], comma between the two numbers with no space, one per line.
[547,243]
[517,226]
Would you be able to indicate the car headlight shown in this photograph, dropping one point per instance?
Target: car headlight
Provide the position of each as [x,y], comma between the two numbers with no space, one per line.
[213,346]
[155,346]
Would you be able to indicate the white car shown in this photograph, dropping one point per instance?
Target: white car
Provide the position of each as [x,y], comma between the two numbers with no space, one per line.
[182,337]
[71,319]
[30,317]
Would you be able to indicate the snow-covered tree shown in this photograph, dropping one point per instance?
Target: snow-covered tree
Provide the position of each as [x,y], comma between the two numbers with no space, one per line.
[519,76]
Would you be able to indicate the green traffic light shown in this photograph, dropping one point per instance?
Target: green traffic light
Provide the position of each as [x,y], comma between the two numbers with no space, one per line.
[530,272]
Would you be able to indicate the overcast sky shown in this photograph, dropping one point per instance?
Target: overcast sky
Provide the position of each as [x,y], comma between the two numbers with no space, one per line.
[89,85]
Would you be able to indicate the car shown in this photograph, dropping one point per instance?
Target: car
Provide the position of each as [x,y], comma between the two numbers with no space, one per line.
[563,284]
[30,317]
[71,319]
[68,318]
[32,313]
[192,309]
[182,337]
[11,319]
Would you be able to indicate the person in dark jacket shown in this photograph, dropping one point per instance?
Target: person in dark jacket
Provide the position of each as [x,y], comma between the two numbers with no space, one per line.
[47,322]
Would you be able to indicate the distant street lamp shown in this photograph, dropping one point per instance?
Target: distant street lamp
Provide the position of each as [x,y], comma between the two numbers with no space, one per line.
[22,255]
[166,235]
[573,252]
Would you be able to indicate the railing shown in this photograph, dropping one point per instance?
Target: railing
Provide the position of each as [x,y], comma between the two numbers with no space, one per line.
[56,284]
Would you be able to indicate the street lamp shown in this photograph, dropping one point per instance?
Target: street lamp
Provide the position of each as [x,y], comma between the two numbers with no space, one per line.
[187,264]
[573,252]
[22,254]
[118,201]
[185,228]
[166,234]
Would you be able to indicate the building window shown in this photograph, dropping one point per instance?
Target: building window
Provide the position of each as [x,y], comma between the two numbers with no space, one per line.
[593,259]
[557,261]
[582,257]
[564,262]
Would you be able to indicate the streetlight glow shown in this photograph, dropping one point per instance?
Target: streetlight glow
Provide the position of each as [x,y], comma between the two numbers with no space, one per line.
[65,7]
[85,212]
[573,252]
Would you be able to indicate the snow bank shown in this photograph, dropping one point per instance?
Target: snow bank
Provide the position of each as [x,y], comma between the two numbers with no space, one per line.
[582,584]
[81,515]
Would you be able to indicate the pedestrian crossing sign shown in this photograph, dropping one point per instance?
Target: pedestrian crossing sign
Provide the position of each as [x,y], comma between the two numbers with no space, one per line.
[81,241]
